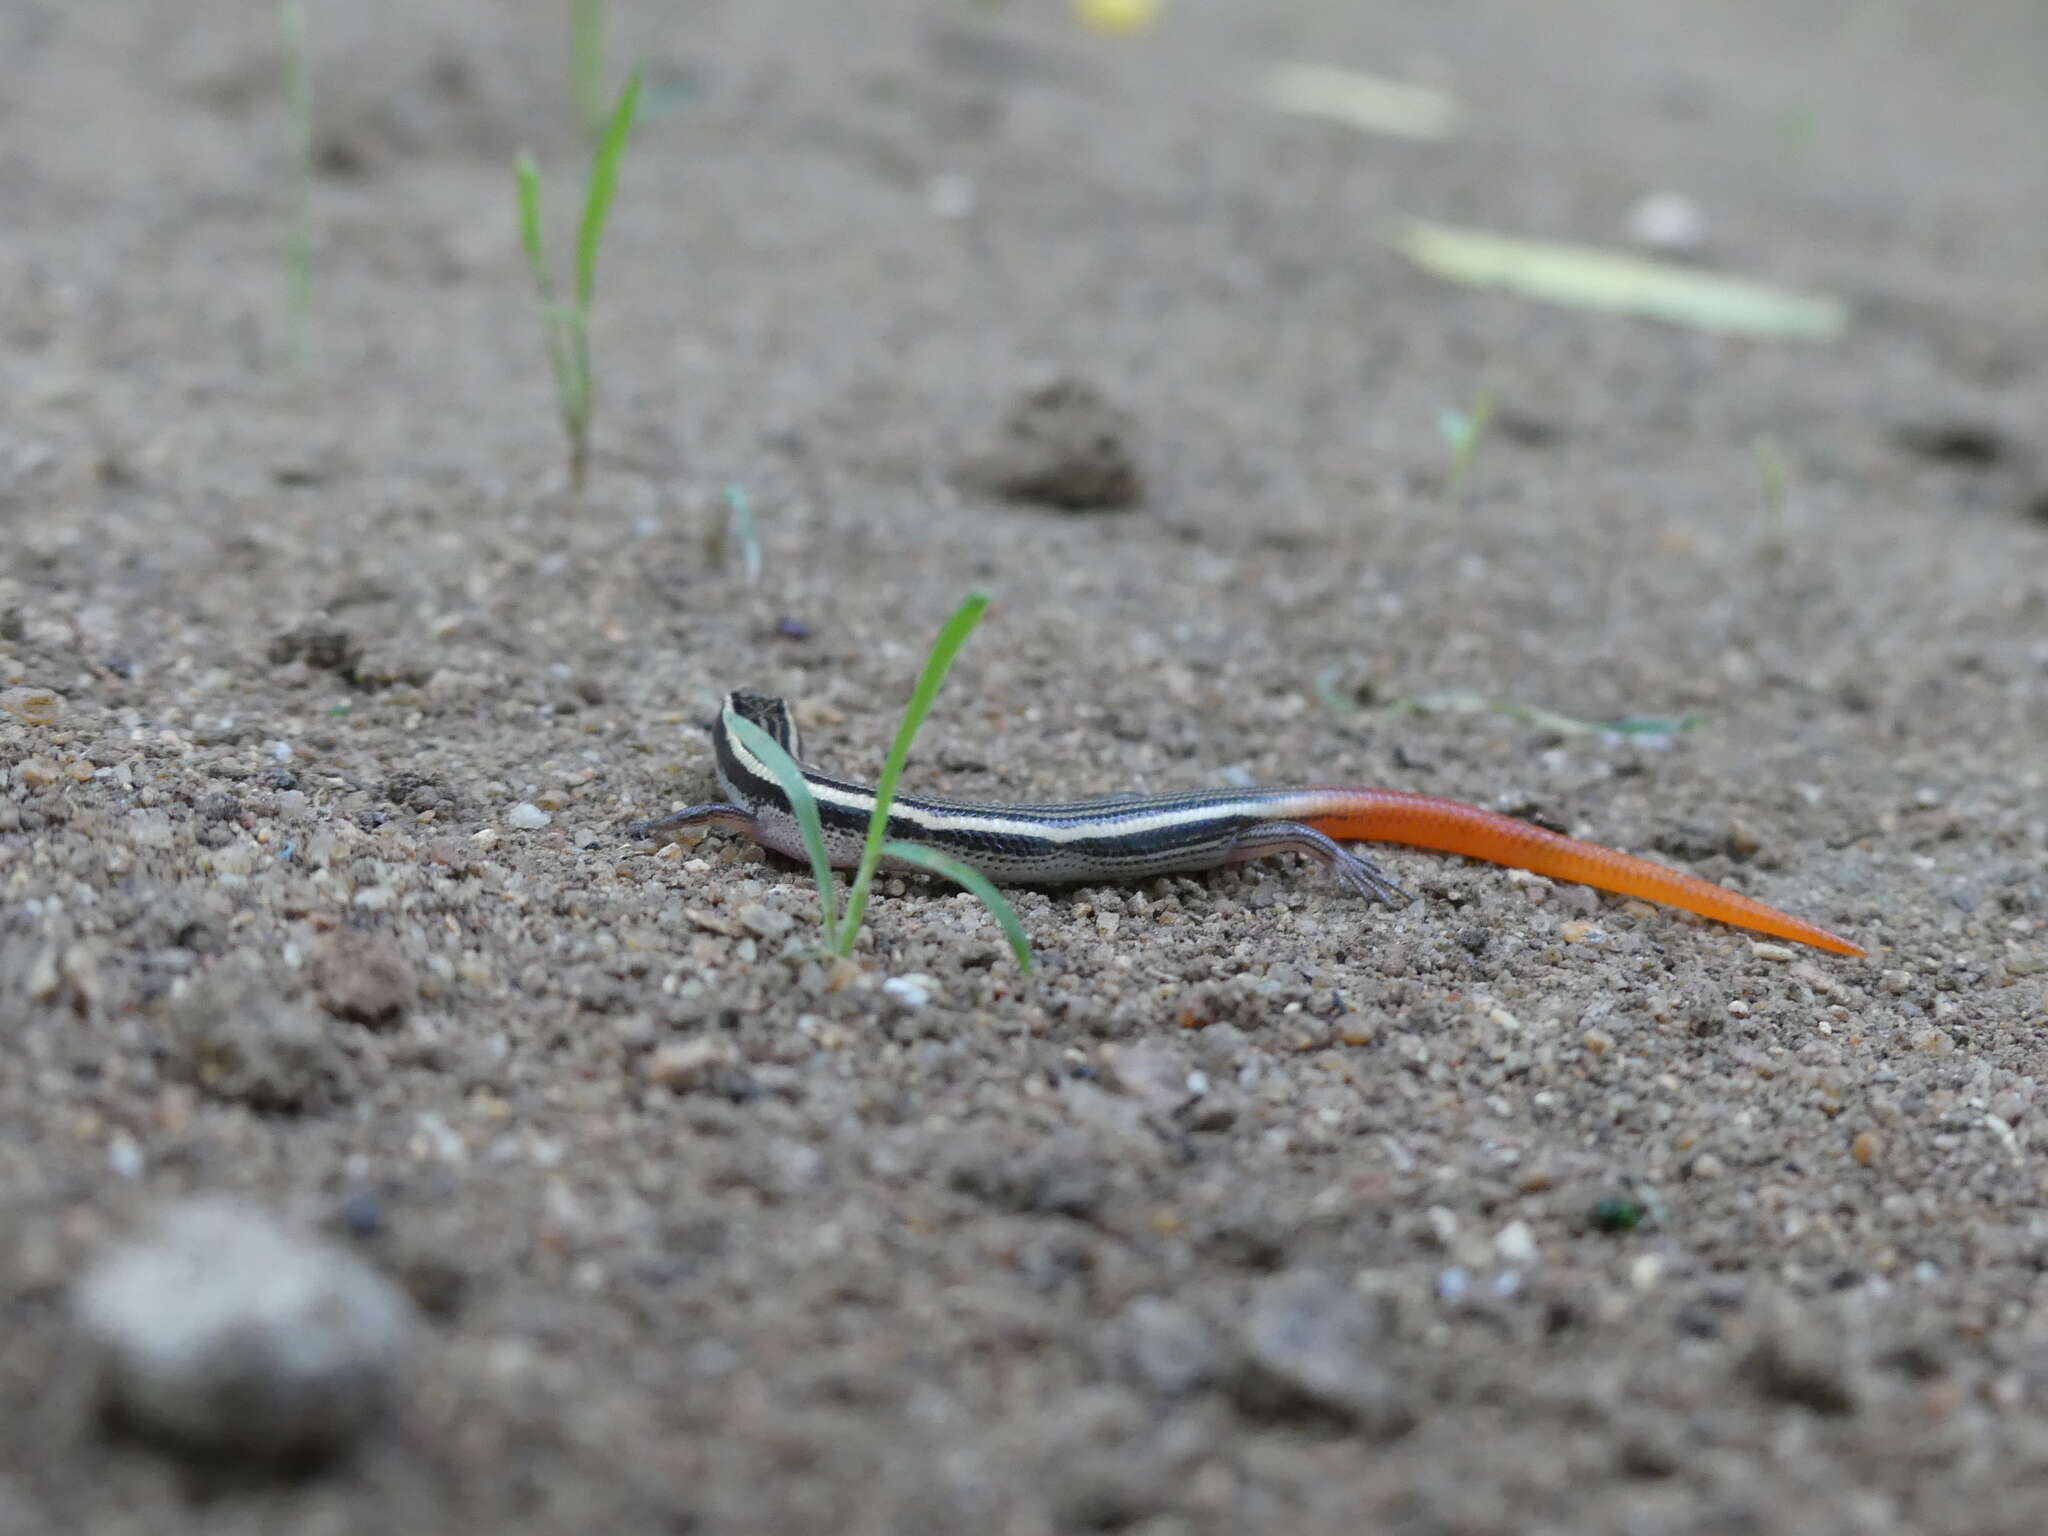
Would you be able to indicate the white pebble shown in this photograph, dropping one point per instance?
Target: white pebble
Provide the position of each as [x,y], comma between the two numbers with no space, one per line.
[223,1331]
[912,991]
[1668,222]
[950,195]
[1516,1245]
[527,817]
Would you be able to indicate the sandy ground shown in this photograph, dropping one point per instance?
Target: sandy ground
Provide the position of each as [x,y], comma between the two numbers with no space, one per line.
[1257,1207]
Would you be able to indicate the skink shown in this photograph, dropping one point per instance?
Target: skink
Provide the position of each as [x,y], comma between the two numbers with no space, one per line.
[1127,837]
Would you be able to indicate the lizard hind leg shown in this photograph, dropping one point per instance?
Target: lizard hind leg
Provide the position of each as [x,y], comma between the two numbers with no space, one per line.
[1356,871]
[699,819]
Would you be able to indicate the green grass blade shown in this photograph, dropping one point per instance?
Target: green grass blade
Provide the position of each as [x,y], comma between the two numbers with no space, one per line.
[976,884]
[791,778]
[586,64]
[951,637]
[604,180]
[529,228]
[742,525]
[1618,282]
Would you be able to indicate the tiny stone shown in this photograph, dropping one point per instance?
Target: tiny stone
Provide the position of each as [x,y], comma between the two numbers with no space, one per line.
[1777,952]
[912,991]
[1669,223]
[223,1332]
[1867,1148]
[1708,1166]
[1355,1029]
[527,817]
[1170,1348]
[765,922]
[1796,1359]
[1597,1042]
[684,1065]
[33,706]
[1935,1042]
[362,978]
[124,1157]
[36,772]
[240,1039]
[1311,1343]
[1516,1245]
[1453,1283]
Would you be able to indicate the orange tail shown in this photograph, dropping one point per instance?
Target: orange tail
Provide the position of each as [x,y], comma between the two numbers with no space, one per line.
[1424,821]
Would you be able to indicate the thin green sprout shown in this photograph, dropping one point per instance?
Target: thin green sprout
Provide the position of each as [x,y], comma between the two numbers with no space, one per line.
[586,64]
[951,637]
[791,777]
[1463,701]
[567,326]
[976,884]
[1462,431]
[741,522]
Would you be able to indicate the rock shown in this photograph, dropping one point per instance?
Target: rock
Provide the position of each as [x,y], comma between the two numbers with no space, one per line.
[763,921]
[1062,1177]
[1668,223]
[1155,1073]
[323,647]
[1310,1348]
[242,1039]
[527,817]
[1515,1244]
[223,1332]
[1063,445]
[32,706]
[1168,1347]
[911,992]
[1796,1359]
[363,978]
[690,1064]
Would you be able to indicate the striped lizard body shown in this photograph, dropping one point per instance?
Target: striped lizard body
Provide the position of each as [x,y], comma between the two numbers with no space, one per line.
[1128,837]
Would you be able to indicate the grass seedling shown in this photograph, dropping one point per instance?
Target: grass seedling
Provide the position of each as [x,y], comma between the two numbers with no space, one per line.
[298,240]
[568,324]
[1461,432]
[740,523]
[586,65]
[841,929]
[791,777]
[952,636]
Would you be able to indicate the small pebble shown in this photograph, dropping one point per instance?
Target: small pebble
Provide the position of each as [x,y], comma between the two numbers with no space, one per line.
[1867,1148]
[1516,1245]
[221,1331]
[912,991]
[1311,1342]
[527,817]
[1669,223]
[32,706]
[765,922]
[684,1065]
[1169,1347]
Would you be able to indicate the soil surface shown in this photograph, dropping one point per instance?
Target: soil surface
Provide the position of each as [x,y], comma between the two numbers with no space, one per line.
[1256,1206]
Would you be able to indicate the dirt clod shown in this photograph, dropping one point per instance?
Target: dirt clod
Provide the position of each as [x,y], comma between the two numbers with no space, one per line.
[1061,445]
